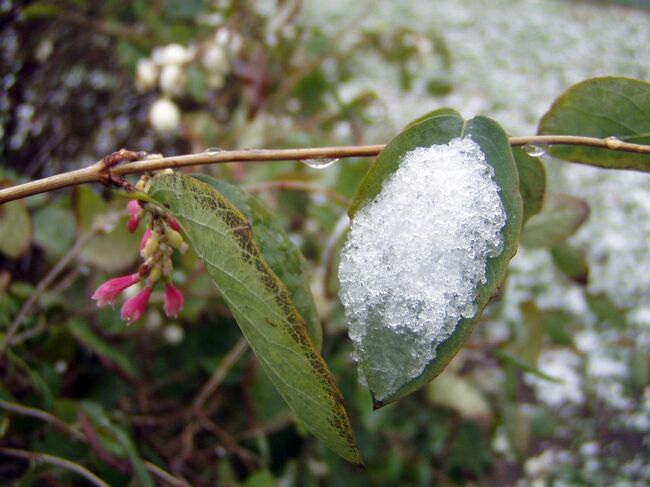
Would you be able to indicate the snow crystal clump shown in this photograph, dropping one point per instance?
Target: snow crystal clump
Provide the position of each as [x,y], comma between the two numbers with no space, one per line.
[415,257]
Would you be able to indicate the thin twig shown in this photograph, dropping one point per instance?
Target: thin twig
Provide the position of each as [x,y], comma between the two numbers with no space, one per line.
[43,416]
[97,172]
[165,475]
[219,375]
[277,423]
[196,412]
[42,286]
[78,435]
[298,186]
[57,461]
[247,457]
[49,278]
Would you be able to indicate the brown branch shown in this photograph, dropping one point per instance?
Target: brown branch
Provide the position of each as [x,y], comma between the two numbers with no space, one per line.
[219,375]
[97,172]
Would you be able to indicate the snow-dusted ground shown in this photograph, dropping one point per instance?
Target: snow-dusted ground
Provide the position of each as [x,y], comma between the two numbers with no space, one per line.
[510,60]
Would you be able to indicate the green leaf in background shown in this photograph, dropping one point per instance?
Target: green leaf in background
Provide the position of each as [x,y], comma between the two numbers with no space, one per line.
[602,107]
[54,229]
[84,334]
[222,237]
[572,261]
[561,216]
[112,251]
[439,128]
[116,438]
[282,256]
[532,181]
[455,392]
[15,229]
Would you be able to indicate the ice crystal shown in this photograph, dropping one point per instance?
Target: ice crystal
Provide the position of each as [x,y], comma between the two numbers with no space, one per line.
[415,257]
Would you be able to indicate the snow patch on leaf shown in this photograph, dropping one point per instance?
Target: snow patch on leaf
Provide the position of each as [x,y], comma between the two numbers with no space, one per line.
[415,257]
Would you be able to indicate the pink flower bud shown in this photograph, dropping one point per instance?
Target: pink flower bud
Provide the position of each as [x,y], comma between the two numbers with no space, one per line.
[111,289]
[145,237]
[134,209]
[173,300]
[134,308]
[174,224]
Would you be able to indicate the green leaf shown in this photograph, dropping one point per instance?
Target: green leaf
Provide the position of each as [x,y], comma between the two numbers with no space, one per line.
[110,252]
[222,237]
[455,392]
[84,334]
[602,107]
[439,128]
[607,312]
[116,438]
[571,261]
[561,216]
[515,361]
[54,229]
[282,256]
[15,229]
[532,181]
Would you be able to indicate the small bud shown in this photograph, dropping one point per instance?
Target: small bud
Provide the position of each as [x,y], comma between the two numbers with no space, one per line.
[172,80]
[171,54]
[134,308]
[173,334]
[164,116]
[175,240]
[151,247]
[111,289]
[173,300]
[145,237]
[154,275]
[174,224]
[167,266]
[146,74]
[133,207]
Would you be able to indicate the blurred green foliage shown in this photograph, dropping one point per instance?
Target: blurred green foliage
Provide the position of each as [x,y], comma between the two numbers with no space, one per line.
[77,383]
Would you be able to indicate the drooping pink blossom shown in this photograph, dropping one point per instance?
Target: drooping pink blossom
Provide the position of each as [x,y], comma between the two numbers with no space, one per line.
[134,308]
[173,300]
[111,289]
[145,237]
[134,215]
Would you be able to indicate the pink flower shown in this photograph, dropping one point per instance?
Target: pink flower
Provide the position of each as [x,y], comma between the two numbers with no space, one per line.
[173,300]
[134,215]
[134,308]
[174,224]
[111,289]
[145,237]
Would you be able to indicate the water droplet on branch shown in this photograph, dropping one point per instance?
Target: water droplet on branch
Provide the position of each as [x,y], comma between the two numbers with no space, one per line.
[534,150]
[613,142]
[320,163]
[213,150]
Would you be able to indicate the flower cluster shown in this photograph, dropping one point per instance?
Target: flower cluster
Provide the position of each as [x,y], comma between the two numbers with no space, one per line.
[158,242]
[166,70]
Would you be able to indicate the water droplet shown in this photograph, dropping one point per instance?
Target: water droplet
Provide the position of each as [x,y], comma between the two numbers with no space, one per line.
[534,150]
[613,142]
[319,163]
[213,150]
